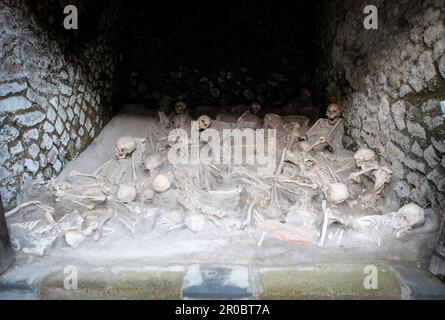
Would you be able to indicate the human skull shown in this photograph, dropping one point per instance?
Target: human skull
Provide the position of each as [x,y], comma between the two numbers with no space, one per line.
[410,215]
[363,156]
[204,122]
[125,146]
[333,113]
[180,107]
[126,192]
[161,183]
[337,193]
[255,108]
[152,162]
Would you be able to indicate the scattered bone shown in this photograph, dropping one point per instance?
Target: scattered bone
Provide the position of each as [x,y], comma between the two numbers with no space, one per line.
[74,238]
[178,226]
[124,147]
[272,121]
[327,214]
[337,193]
[152,162]
[93,176]
[249,119]
[102,166]
[24,205]
[163,121]
[340,237]
[300,177]
[204,122]
[127,192]
[180,117]
[248,220]
[161,183]
[263,235]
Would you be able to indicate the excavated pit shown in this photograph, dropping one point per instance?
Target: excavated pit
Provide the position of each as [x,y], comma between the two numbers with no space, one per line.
[67,96]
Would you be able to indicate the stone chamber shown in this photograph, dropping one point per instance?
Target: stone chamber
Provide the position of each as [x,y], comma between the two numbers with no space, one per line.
[67,96]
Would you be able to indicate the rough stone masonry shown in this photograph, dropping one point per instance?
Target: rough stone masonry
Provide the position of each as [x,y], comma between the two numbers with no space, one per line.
[391,82]
[55,96]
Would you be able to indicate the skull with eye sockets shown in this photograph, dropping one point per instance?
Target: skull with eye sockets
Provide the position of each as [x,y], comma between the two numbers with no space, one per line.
[204,122]
[333,113]
[125,146]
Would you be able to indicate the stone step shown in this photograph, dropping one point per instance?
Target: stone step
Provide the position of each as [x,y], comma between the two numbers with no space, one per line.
[338,280]
[209,282]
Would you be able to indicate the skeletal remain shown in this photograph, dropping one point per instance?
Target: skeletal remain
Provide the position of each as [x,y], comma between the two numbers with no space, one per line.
[152,162]
[102,166]
[163,120]
[188,196]
[100,180]
[327,131]
[294,130]
[204,122]
[272,121]
[94,195]
[74,238]
[366,161]
[180,116]
[248,220]
[321,141]
[100,217]
[273,211]
[125,146]
[408,217]
[337,193]
[124,219]
[127,192]
[48,211]
[327,214]
[333,113]
[300,121]
[180,107]
[250,118]
[161,183]
[404,220]
[263,236]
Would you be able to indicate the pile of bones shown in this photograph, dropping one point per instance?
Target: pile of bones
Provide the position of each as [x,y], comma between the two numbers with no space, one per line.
[316,185]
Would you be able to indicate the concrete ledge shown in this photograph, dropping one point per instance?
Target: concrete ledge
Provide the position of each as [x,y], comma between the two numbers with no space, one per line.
[326,281]
[135,285]
[335,280]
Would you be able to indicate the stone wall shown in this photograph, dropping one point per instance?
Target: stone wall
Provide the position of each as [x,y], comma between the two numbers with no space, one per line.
[391,82]
[55,87]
